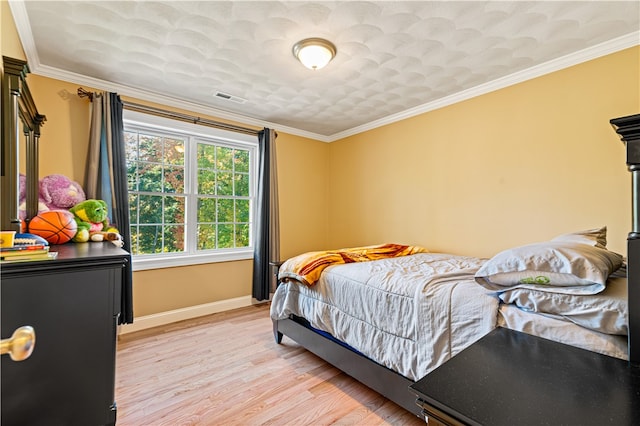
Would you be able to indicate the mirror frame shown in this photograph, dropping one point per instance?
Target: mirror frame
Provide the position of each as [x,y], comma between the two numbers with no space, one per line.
[20,121]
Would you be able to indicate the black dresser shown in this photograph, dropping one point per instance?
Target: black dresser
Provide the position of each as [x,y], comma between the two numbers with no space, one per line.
[512,378]
[73,303]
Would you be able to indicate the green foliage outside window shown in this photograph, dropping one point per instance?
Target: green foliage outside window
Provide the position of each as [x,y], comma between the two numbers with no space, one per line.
[158,197]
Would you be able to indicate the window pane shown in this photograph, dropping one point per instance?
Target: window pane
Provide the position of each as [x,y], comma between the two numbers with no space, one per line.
[206,156]
[150,209]
[241,160]
[174,179]
[132,176]
[150,177]
[133,229]
[131,146]
[133,208]
[206,182]
[174,210]
[174,151]
[224,183]
[242,185]
[206,237]
[242,235]
[150,239]
[206,210]
[150,148]
[224,158]
[225,236]
[225,210]
[242,210]
[174,238]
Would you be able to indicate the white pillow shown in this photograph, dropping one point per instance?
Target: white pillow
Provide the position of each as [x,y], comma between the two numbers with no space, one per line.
[565,332]
[606,312]
[553,266]
[596,237]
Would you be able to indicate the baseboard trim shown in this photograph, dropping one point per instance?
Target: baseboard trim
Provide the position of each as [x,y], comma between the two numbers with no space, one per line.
[164,318]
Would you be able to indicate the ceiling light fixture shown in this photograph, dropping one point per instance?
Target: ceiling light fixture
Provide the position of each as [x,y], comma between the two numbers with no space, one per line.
[314,53]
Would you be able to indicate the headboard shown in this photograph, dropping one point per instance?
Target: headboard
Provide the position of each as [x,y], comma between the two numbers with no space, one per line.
[629,130]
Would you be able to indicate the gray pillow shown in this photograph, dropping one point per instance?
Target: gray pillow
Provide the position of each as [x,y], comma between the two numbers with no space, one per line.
[596,237]
[553,266]
[606,312]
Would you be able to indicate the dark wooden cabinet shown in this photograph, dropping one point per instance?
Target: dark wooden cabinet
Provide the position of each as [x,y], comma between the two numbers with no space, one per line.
[73,304]
[512,378]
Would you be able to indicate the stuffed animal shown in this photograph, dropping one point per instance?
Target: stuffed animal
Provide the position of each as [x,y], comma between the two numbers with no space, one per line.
[91,217]
[111,234]
[60,193]
[22,199]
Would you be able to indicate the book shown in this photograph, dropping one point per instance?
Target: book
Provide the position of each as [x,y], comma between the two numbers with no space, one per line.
[29,240]
[23,248]
[29,258]
[22,253]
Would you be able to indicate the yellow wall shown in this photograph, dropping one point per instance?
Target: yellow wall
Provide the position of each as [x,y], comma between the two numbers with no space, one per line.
[9,41]
[514,166]
[303,194]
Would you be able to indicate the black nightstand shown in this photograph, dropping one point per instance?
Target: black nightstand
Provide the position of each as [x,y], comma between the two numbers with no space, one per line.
[276,268]
[512,378]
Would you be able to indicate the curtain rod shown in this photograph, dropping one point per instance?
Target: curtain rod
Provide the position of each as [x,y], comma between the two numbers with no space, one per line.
[175,115]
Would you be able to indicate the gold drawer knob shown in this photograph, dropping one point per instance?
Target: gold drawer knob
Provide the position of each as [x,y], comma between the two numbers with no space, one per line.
[20,345]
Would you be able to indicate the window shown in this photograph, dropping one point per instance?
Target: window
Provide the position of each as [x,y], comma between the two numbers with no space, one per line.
[191,192]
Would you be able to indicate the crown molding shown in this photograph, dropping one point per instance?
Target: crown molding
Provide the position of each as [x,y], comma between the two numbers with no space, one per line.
[160,99]
[21,19]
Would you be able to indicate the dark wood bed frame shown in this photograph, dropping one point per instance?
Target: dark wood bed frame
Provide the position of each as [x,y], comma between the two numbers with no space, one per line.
[395,386]
[629,130]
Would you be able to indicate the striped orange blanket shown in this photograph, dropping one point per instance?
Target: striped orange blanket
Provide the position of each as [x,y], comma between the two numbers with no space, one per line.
[307,267]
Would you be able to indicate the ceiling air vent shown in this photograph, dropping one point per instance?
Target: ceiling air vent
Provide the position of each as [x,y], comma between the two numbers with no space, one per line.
[228,97]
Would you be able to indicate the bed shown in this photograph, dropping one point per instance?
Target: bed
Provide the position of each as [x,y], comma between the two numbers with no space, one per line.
[389,316]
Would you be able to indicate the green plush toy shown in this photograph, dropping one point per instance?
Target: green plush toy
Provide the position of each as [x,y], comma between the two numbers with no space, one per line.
[91,216]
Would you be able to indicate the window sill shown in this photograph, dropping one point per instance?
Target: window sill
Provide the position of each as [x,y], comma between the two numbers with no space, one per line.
[142,263]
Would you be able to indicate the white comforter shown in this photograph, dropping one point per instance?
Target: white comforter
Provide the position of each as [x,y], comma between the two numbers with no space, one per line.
[409,313]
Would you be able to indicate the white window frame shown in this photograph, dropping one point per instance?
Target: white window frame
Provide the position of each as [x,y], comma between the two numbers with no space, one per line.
[141,121]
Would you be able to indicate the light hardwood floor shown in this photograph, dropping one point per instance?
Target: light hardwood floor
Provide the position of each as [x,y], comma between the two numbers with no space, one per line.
[226,369]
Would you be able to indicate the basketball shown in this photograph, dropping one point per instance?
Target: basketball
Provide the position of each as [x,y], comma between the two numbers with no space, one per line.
[56,226]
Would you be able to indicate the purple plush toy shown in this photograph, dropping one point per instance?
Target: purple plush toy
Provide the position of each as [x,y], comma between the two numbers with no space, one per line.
[22,208]
[60,193]
[56,192]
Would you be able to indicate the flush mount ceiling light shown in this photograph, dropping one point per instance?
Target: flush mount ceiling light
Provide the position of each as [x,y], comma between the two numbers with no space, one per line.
[314,53]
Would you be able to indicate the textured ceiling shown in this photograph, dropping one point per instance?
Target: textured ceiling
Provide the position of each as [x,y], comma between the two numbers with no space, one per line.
[393,57]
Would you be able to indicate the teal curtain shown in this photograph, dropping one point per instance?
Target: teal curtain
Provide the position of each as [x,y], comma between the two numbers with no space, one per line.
[106,178]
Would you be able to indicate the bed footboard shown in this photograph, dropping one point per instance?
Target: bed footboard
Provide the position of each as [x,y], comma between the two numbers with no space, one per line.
[388,383]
